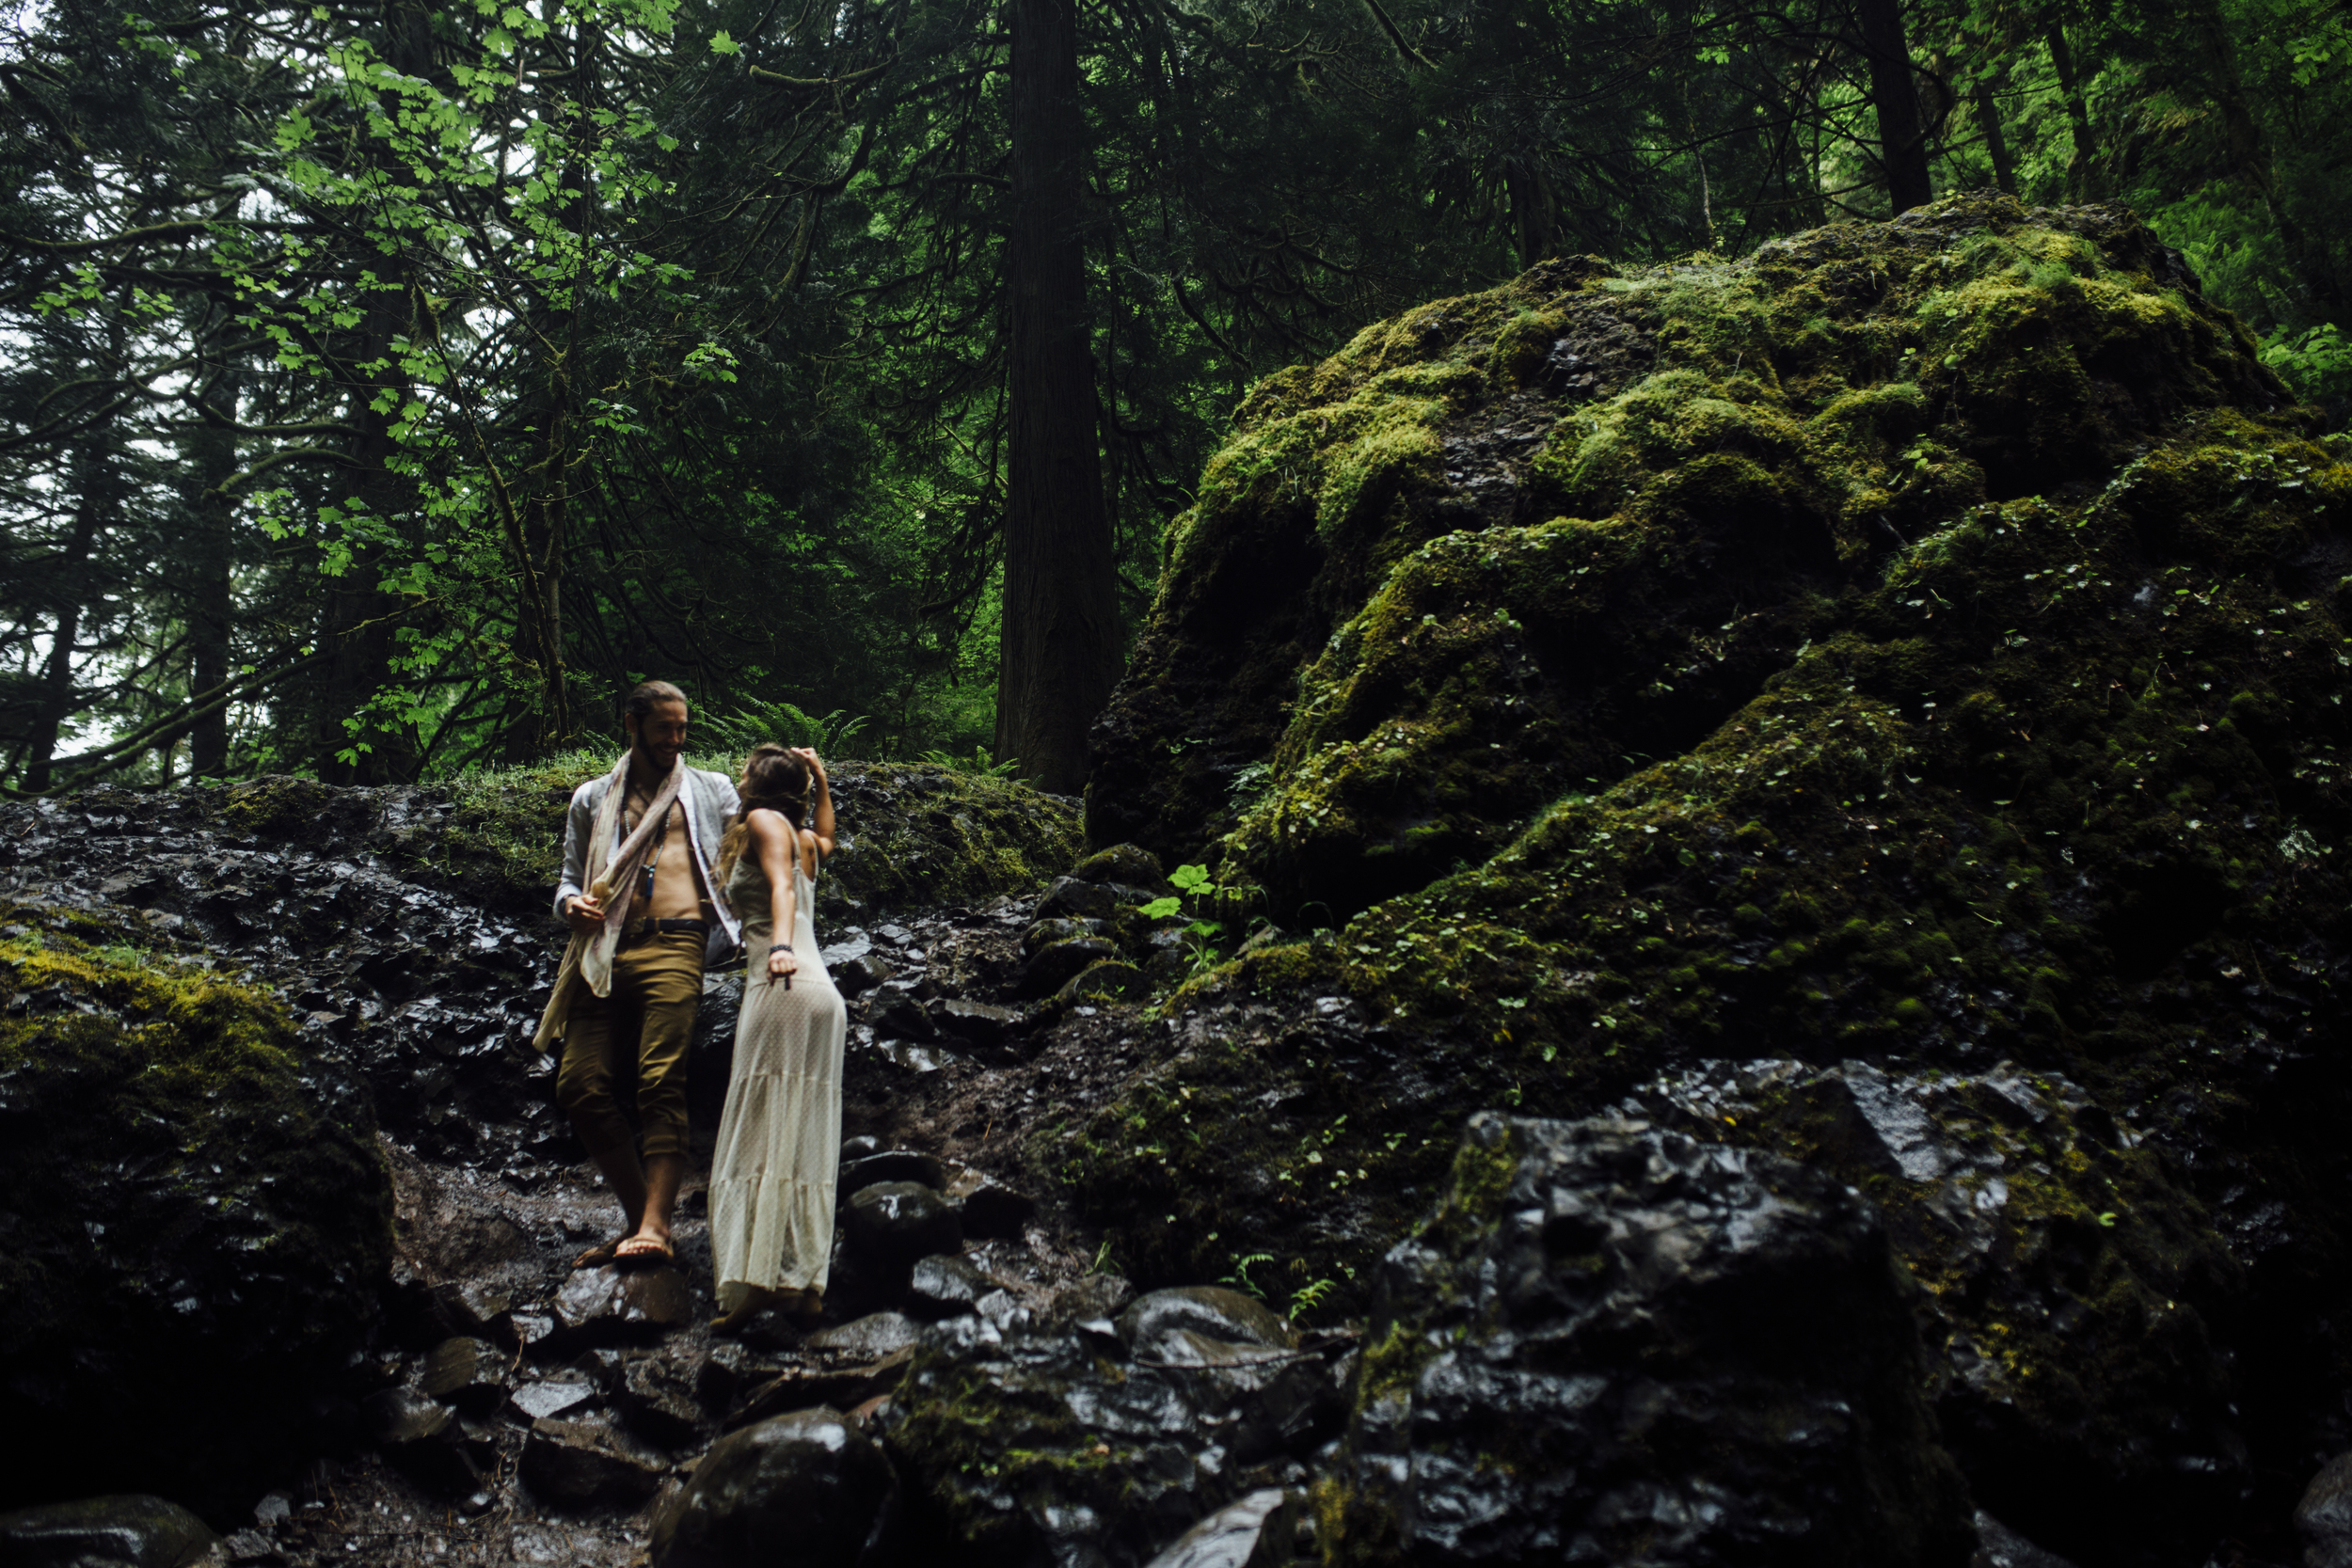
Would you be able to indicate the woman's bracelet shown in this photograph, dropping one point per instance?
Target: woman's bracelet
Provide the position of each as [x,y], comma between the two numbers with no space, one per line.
[781,947]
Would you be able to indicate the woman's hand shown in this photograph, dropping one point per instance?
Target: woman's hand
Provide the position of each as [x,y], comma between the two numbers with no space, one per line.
[782,961]
[808,754]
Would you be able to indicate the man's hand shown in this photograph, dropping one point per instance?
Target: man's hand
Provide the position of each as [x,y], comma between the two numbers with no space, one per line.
[584,915]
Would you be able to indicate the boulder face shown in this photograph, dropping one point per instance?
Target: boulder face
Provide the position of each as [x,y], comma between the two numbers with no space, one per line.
[1918,644]
[197,1219]
[1616,1344]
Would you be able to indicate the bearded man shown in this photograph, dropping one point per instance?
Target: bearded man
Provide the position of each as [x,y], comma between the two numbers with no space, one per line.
[645,919]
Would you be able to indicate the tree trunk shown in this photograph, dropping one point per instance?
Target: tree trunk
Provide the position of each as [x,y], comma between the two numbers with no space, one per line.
[2249,158]
[94,498]
[2081,173]
[211,607]
[1996,146]
[357,625]
[1060,641]
[1902,144]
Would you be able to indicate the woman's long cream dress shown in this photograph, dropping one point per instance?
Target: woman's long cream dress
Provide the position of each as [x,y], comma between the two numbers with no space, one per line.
[772,1181]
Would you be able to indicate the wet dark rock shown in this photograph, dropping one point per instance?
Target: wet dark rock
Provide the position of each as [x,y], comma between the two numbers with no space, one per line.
[195,1220]
[2088,1394]
[581,1463]
[990,1210]
[423,1437]
[1259,1531]
[1069,898]
[1111,981]
[471,1375]
[244,1546]
[979,1023]
[1126,865]
[896,1222]
[804,1488]
[557,1395]
[1096,1298]
[856,977]
[869,1337]
[842,1385]
[892,1165]
[1639,1317]
[614,1306]
[1999,1546]
[1030,1448]
[2324,1516]
[1044,933]
[1060,962]
[1211,1311]
[658,1399]
[904,1018]
[725,1370]
[945,1287]
[127,1531]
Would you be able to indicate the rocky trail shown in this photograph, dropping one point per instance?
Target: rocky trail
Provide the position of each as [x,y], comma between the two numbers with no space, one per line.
[508,1408]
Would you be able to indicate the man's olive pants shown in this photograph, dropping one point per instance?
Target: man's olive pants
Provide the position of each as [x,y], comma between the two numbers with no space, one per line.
[647,1020]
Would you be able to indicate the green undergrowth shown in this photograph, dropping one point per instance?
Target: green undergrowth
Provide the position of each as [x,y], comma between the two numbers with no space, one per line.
[1921,643]
[911,833]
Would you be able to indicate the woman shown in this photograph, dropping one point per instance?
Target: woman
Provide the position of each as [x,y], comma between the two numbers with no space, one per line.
[771,1182]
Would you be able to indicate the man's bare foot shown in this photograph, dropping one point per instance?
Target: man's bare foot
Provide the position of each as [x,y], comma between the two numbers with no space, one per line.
[598,1255]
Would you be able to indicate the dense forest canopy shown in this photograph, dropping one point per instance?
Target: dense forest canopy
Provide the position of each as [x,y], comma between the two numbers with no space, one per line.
[386,383]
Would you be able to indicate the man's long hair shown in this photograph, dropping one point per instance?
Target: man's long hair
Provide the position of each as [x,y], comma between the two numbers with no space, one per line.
[774,780]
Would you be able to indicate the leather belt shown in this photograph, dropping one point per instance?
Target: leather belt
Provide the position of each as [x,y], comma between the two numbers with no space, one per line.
[650,926]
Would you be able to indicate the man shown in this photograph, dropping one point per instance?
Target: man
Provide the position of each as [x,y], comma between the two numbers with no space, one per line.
[638,847]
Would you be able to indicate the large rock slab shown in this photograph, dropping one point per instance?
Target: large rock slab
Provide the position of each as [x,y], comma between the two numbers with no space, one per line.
[1630,1345]
[1036,1445]
[123,1531]
[804,1488]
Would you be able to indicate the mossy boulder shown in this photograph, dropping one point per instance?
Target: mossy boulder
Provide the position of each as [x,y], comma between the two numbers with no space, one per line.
[1921,644]
[196,1220]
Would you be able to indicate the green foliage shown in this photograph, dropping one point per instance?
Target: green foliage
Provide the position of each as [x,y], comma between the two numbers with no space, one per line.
[2316,364]
[735,733]
[981,763]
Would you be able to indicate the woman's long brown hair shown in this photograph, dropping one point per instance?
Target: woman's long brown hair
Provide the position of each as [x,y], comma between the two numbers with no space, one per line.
[773,780]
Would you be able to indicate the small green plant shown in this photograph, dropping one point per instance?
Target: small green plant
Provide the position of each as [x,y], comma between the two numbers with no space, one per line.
[1209,900]
[1239,1279]
[1311,1295]
[979,763]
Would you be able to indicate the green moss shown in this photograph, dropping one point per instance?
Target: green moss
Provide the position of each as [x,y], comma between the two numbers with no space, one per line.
[1939,651]
[198,1211]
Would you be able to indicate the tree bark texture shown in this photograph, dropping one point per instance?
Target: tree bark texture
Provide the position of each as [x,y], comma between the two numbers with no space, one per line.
[95,500]
[2081,172]
[1995,145]
[1059,641]
[211,601]
[1903,142]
